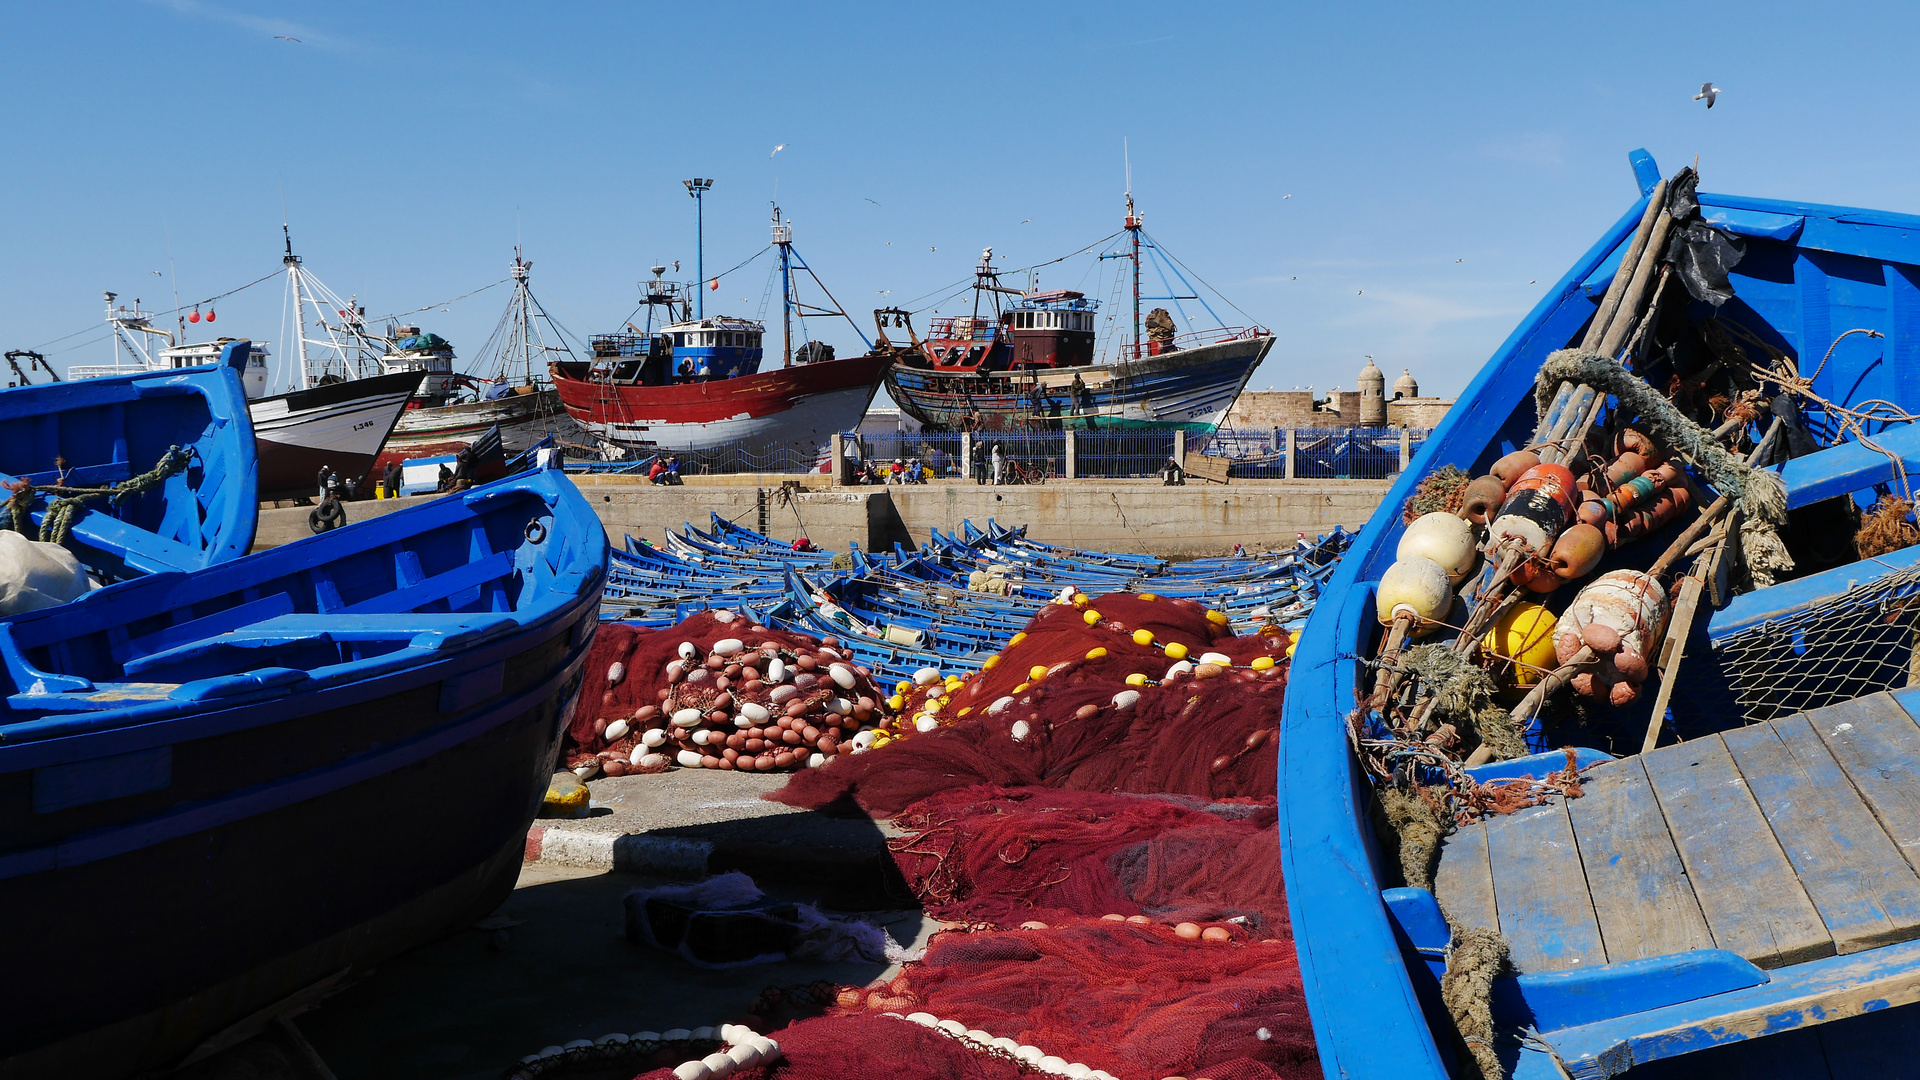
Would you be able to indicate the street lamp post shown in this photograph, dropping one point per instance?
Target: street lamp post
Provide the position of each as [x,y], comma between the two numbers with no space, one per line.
[696,188]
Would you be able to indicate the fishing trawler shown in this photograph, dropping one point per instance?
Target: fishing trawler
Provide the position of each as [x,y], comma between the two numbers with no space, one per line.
[452,409]
[1602,757]
[1028,363]
[695,381]
[339,409]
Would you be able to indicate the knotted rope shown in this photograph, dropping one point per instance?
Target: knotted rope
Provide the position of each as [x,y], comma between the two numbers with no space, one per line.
[69,502]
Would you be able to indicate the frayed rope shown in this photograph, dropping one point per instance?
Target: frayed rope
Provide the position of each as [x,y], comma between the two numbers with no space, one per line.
[1759,494]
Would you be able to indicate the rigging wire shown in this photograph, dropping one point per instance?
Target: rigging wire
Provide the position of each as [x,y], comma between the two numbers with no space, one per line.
[157,314]
[1223,296]
[443,303]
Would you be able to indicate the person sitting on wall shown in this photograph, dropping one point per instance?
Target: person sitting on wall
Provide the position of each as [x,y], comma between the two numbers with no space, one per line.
[1172,475]
[897,474]
[672,475]
[444,479]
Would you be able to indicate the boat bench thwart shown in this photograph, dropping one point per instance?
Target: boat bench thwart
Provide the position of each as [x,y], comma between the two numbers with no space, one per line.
[1785,844]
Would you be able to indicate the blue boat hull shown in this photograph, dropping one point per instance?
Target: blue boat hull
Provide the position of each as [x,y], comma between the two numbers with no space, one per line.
[196,857]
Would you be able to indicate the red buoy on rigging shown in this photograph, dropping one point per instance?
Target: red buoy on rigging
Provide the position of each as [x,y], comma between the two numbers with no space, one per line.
[195,317]
[209,314]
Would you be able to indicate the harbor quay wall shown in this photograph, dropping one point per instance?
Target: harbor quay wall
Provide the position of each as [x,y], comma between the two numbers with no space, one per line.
[1114,515]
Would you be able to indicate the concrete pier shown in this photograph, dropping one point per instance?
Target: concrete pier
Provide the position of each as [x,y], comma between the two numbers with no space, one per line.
[1113,515]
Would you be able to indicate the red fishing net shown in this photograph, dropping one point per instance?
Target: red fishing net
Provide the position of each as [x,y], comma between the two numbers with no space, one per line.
[1002,856]
[1057,794]
[1205,732]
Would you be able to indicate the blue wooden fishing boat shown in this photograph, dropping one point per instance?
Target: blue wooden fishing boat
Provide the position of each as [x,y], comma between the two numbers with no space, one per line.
[221,790]
[1733,891]
[176,447]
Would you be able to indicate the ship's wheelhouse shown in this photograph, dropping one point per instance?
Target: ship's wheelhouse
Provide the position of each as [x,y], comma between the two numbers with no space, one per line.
[1051,330]
[714,349]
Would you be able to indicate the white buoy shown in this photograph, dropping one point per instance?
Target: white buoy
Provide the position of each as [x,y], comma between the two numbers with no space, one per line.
[1446,539]
[1415,587]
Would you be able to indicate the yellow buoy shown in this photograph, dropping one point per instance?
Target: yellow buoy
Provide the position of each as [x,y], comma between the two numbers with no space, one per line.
[1218,618]
[964,710]
[1261,663]
[1079,599]
[896,703]
[1176,651]
[880,739]
[1143,637]
[1036,672]
[992,662]
[1092,617]
[1096,654]
[1148,596]
[1022,688]
[1136,679]
[902,686]
[1290,649]
[1017,639]
[1525,635]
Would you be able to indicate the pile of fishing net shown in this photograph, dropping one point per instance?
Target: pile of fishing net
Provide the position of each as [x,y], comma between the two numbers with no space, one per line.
[1130,1001]
[1107,694]
[717,691]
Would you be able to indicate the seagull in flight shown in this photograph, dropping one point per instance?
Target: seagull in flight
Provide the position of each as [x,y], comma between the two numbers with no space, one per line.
[874,203]
[933,249]
[1286,196]
[1709,93]
[777,149]
[283,37]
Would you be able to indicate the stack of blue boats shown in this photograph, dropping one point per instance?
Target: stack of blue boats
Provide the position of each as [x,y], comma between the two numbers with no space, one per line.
[200,761]
[905,610]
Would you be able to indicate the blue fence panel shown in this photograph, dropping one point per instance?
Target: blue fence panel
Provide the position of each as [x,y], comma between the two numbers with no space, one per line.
[1122,454]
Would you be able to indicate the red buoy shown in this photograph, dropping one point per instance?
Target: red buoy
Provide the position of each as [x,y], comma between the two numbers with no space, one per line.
[714,284]
[209,314]
[195,317]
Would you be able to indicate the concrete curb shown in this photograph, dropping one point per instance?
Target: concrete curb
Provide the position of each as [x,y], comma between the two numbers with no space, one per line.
[555,843]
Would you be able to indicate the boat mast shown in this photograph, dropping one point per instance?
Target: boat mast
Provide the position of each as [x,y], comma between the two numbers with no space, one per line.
[520,328]
[1133,230]
[783,239]
[292,263]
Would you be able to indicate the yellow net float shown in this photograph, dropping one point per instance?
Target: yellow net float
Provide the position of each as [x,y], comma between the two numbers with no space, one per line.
[1136,679]
[1261,663]
[1096,653]
[1017,639]
[1148,596]
[1176,651]
[1524,633]
[1217,618]
[1022,688]
[1091,617]
[1143,637]
[896,703]
[992,662]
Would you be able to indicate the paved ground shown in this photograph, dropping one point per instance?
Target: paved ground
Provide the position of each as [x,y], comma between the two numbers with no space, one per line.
[469,1006]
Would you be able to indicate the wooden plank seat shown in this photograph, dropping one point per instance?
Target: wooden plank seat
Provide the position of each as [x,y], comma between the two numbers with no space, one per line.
[1793,844]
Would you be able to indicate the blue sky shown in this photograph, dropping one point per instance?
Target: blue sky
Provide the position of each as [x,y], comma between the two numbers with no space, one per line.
[1445,164]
